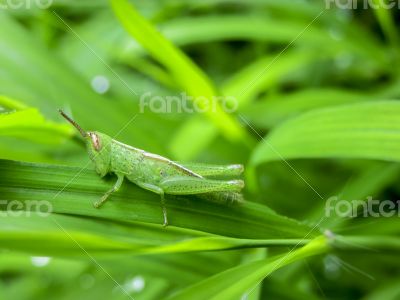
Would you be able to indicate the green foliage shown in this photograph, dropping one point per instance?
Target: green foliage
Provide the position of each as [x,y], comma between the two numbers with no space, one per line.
[30,125]
[316,117]
[233,283]
[339,132]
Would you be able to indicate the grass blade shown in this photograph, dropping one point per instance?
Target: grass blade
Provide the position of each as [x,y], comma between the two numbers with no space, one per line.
[131,203]
[234,283]
[182,69]
[362,130]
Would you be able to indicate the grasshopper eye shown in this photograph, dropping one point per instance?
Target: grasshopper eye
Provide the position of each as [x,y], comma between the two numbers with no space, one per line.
[95,141]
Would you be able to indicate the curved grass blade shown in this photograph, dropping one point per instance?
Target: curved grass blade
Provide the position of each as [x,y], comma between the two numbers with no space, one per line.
[73,190]
[236,282]
[40,234]
[362,130]
[271,111]
[183,70]
[30,125]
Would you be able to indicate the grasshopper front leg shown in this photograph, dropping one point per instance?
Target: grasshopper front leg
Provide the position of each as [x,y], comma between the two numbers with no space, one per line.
[112,190]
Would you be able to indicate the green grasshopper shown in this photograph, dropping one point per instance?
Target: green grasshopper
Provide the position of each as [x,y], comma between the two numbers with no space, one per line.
[156,173]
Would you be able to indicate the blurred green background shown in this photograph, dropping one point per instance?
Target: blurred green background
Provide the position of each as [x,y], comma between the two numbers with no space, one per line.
[314,85]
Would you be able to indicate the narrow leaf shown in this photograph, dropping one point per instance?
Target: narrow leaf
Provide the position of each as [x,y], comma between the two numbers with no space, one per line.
[73,190]
[235,282]
[363,130]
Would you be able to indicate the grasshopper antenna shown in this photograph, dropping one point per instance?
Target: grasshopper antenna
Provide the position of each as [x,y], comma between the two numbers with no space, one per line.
[82,132]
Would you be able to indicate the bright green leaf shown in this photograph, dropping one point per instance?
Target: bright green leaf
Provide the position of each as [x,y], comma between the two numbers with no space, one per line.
[363,130]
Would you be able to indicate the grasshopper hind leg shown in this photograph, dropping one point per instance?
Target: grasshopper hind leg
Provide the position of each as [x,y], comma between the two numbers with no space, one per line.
[226,197]
[207,170]
[164,210]
[159,191]
[231,197]
[215,190]
[184,185]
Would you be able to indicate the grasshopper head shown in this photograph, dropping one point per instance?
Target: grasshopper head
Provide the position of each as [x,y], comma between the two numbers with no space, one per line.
[98,146]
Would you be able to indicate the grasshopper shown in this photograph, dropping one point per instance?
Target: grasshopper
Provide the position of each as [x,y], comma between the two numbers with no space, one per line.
[157,173]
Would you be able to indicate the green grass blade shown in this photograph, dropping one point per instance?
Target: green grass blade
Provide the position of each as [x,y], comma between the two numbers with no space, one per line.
[59,235]
[385,19]
[271,111]
[263,74]
[236,282]
[131,203]
[182,69]
[7,103]
[363,130]
[30,125]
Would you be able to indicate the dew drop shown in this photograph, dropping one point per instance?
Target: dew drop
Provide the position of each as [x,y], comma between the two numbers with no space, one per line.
[136,284]
[100,84]
[40,261]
